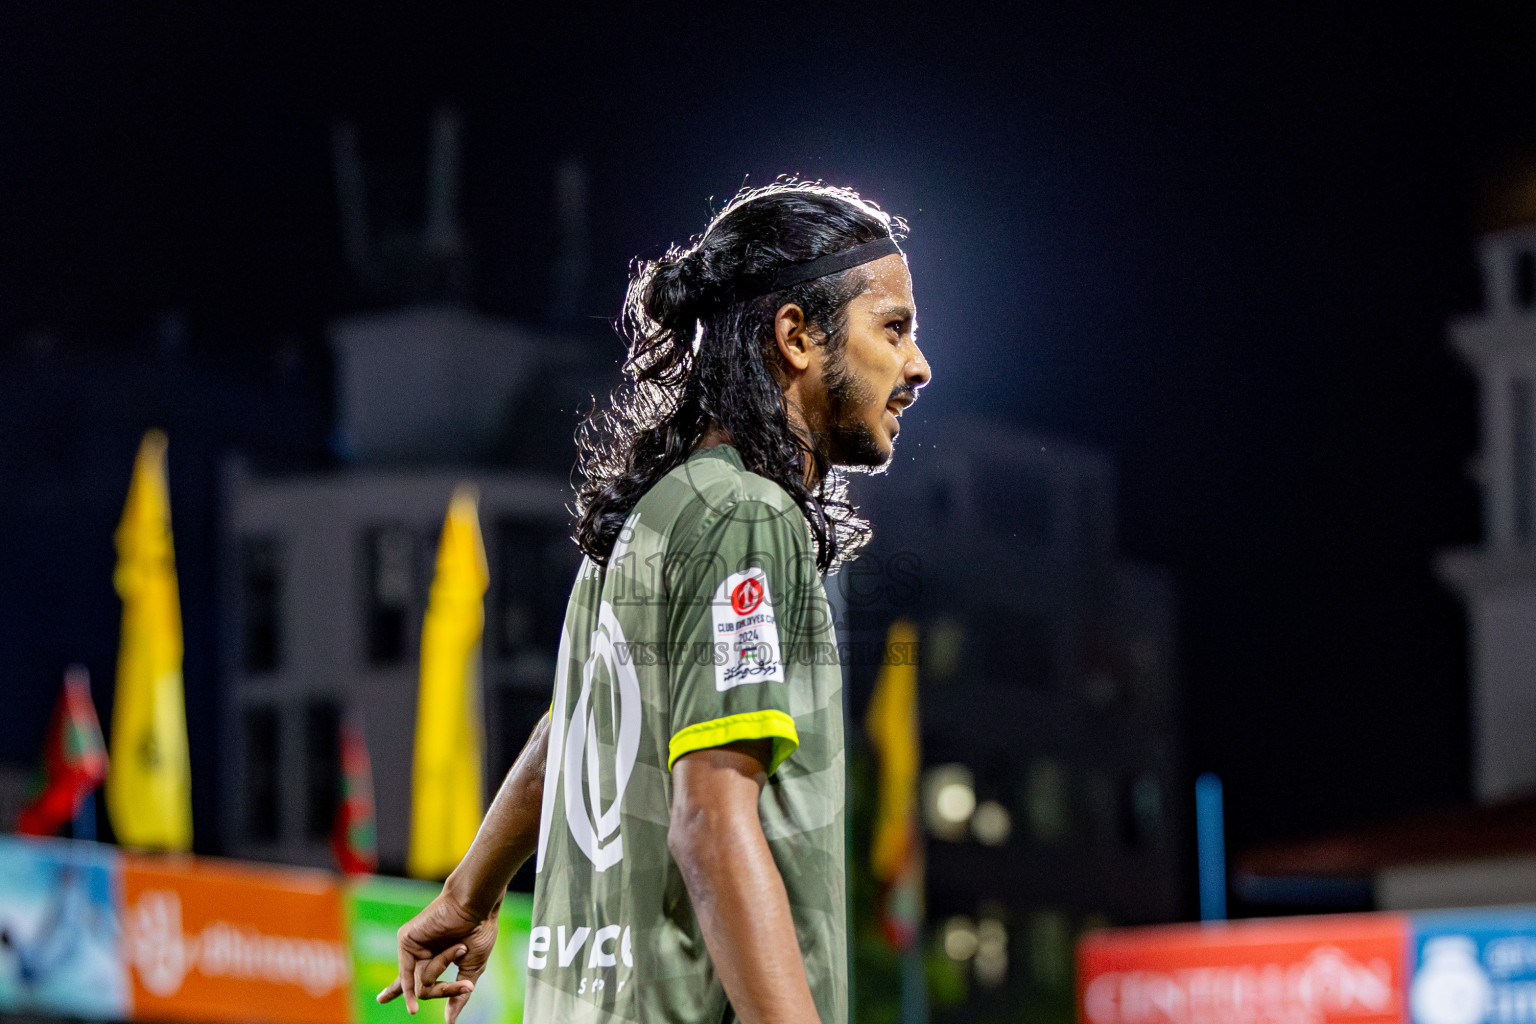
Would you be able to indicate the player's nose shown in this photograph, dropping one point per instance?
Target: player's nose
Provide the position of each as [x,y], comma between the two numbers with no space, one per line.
[917,373]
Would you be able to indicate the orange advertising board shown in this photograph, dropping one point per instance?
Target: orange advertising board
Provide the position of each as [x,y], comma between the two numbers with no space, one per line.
[214,941]
[1345,969]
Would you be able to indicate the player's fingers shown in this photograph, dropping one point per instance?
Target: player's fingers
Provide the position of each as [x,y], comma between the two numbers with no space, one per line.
[428,971]
[410,954]
[471,966]
[472,962]
[407,979]
[455,1004]
[446,989]
[391,991]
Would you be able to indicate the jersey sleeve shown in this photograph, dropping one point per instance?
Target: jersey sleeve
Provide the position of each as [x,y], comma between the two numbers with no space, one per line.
[736,605]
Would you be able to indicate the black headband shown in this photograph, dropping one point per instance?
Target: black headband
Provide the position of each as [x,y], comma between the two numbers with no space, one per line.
[833,263]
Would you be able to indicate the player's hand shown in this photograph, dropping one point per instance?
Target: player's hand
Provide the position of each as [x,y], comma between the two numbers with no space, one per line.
[443,933]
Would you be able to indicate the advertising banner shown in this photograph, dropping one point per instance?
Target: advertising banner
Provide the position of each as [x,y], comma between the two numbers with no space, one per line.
[60,947]
[1474,967]
[216,941]
[377,907]
[1346,969]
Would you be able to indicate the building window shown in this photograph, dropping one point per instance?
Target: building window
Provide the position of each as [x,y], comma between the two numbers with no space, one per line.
[322,767]
[391,582]
[261,592]
[259,726]
[1045,796]
[1142,810]
[517,711]
[1101,808]
[535,566]
[943,650]
[1521,452]
[1050,951]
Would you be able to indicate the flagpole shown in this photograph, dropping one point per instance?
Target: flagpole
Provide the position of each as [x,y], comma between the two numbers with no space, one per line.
[896,849]
[914,985]
[1211,848]
[84,824]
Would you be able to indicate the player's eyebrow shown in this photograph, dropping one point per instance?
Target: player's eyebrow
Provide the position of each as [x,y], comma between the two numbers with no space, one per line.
[903,312]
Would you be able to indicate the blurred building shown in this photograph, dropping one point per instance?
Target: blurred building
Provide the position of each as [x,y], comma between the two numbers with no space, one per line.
[1480,853]
[1497,579]
[329,573]
[1050,698]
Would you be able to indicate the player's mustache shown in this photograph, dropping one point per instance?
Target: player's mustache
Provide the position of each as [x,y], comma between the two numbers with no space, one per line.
[905,393]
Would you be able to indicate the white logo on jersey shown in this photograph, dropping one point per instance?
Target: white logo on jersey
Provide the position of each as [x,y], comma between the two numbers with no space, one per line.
[574,747]
[608,945]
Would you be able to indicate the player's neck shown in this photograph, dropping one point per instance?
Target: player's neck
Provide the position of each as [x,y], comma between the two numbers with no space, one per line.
[716,435]
[809,442]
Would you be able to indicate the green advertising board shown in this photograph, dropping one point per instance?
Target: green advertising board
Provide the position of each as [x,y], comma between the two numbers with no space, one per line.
[377,907]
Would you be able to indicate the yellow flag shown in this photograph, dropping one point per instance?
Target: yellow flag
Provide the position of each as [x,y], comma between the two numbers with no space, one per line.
[446,801]
[893,728]
[149,779]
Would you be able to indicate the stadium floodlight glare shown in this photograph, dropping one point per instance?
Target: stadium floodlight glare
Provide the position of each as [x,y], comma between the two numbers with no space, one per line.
[956,802]
[991,952]
[960,939]
[991,823]
[949,800]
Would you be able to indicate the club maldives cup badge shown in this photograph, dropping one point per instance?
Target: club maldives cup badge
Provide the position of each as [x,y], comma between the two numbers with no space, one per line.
[747,596]
[746,635]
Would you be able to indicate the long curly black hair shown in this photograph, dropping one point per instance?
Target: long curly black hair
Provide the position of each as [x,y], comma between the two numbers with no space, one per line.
[702,350]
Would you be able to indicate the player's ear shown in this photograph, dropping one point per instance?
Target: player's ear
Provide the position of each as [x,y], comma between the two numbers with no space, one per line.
[793,337]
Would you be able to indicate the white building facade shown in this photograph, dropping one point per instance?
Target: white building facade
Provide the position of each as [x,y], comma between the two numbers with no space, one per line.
[326,590]
[1497,579]
[326,575]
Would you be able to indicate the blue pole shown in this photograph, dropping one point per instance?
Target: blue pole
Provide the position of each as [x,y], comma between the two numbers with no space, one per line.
[84,825]
[1210,833]
[914,985]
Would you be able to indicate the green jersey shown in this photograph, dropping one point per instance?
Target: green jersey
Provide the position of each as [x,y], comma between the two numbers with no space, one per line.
[708,625]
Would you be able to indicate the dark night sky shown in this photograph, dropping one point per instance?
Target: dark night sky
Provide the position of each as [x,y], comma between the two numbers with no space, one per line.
[1220,243]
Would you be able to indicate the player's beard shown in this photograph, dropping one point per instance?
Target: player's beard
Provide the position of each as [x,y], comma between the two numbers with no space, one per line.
[849,440]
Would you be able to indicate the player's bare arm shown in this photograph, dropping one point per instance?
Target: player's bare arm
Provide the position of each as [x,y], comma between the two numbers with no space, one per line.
[459,926]
[738,894]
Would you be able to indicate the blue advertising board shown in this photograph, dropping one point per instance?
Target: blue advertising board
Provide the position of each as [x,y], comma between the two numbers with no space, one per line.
[60,932]
[1474,967]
